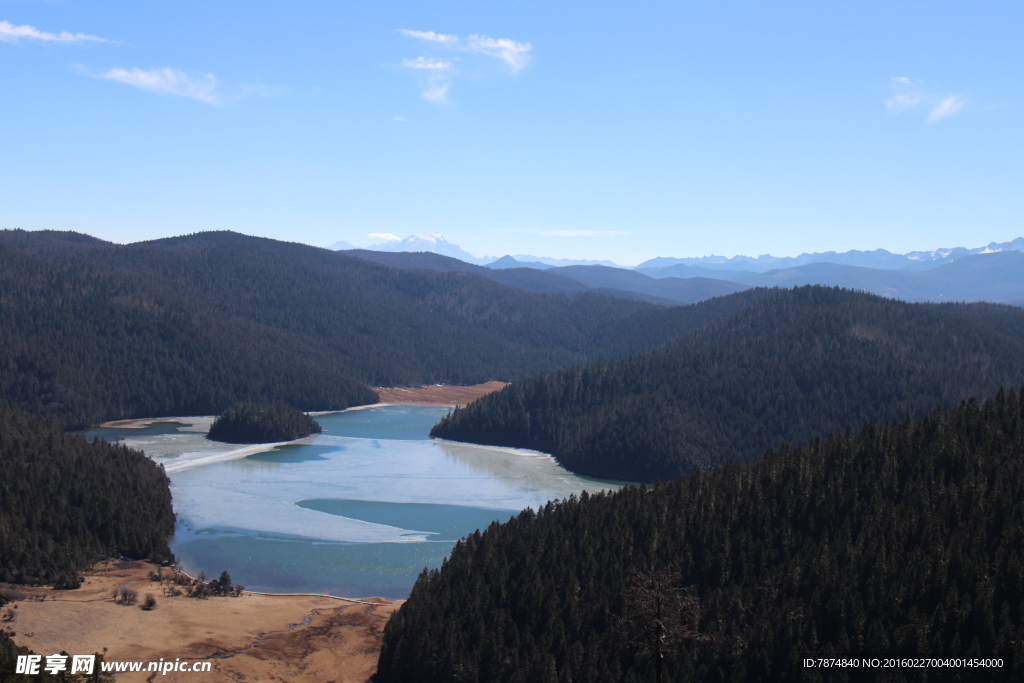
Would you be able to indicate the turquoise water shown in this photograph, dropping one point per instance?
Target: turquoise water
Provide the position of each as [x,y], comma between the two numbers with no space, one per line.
[407,423]
[357,511]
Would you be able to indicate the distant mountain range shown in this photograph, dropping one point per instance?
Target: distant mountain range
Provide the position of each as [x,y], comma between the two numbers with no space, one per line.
[993,273]
[704,266]
[546,262]
[879,258]
[435,243]
[617,282]
[996,276]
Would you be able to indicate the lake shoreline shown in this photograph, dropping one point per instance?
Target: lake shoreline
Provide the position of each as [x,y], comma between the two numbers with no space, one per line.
[428,396]
[357,510]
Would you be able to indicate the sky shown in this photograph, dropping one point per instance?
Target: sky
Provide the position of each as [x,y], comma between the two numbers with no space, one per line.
[594,130]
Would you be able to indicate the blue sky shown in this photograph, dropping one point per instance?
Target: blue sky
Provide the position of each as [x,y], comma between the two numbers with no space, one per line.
[590,130]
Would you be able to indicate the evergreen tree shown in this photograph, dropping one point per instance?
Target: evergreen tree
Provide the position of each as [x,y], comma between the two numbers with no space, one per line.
[902,538]
[793,364]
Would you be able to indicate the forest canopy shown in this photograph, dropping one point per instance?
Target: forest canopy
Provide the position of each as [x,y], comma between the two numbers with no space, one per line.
[901,538]
[262,423]
[66,502]
[92,331]
[791,365]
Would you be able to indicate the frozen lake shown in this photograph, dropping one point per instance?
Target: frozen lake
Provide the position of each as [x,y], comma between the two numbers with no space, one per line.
[356,511]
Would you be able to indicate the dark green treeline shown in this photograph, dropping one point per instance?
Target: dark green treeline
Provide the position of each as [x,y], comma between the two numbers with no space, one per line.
[903,538]
[262,423]
[66,502]
[792,365]
[93,331]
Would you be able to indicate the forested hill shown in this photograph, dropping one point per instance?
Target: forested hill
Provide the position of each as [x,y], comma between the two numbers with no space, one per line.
[794,364]
[900,540]
[64,502]
[262,423]
[91,331]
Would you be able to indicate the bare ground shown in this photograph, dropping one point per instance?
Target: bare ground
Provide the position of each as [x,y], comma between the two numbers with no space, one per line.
[253,637]
[434,395]
[438,394]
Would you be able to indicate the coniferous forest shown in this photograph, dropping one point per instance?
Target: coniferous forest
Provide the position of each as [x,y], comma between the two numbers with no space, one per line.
[262,423]
[66,502]
[903,538]
[93,331]
[794,364]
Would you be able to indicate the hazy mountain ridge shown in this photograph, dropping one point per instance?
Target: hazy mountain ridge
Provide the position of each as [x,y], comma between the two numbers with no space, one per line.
[879,258]
[987,273]
[617,282]
[996,276]
[435,242]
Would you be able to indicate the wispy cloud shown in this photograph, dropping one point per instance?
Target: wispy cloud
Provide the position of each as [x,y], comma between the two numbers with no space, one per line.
[513,53]
[909,94]
[583,233]
[430,36]
[438,77]
[946,108]
[386,236]
[9,33]
[170,82]
[203,87]
[425,63]
[438,73]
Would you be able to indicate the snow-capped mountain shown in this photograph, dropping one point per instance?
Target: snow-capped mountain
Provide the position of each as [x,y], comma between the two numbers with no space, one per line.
[429,241]
[949,255]
[879,258]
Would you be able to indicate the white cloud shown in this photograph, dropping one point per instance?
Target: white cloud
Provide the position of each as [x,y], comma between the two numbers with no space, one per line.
[430,36]
[583,233]
[426,63]
[947,107]
[437,79]
[386,236]
[169,81]
[513,53]
[9,33]
[909,94]
[439,73]
[398,118]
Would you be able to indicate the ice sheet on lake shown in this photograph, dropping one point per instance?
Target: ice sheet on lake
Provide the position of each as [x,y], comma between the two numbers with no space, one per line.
[260,495]
[218,488]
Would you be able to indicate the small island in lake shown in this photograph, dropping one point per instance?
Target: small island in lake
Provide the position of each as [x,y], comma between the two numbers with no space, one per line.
[262,423]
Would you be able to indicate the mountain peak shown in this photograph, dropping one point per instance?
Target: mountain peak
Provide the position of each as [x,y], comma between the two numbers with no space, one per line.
[428,241]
